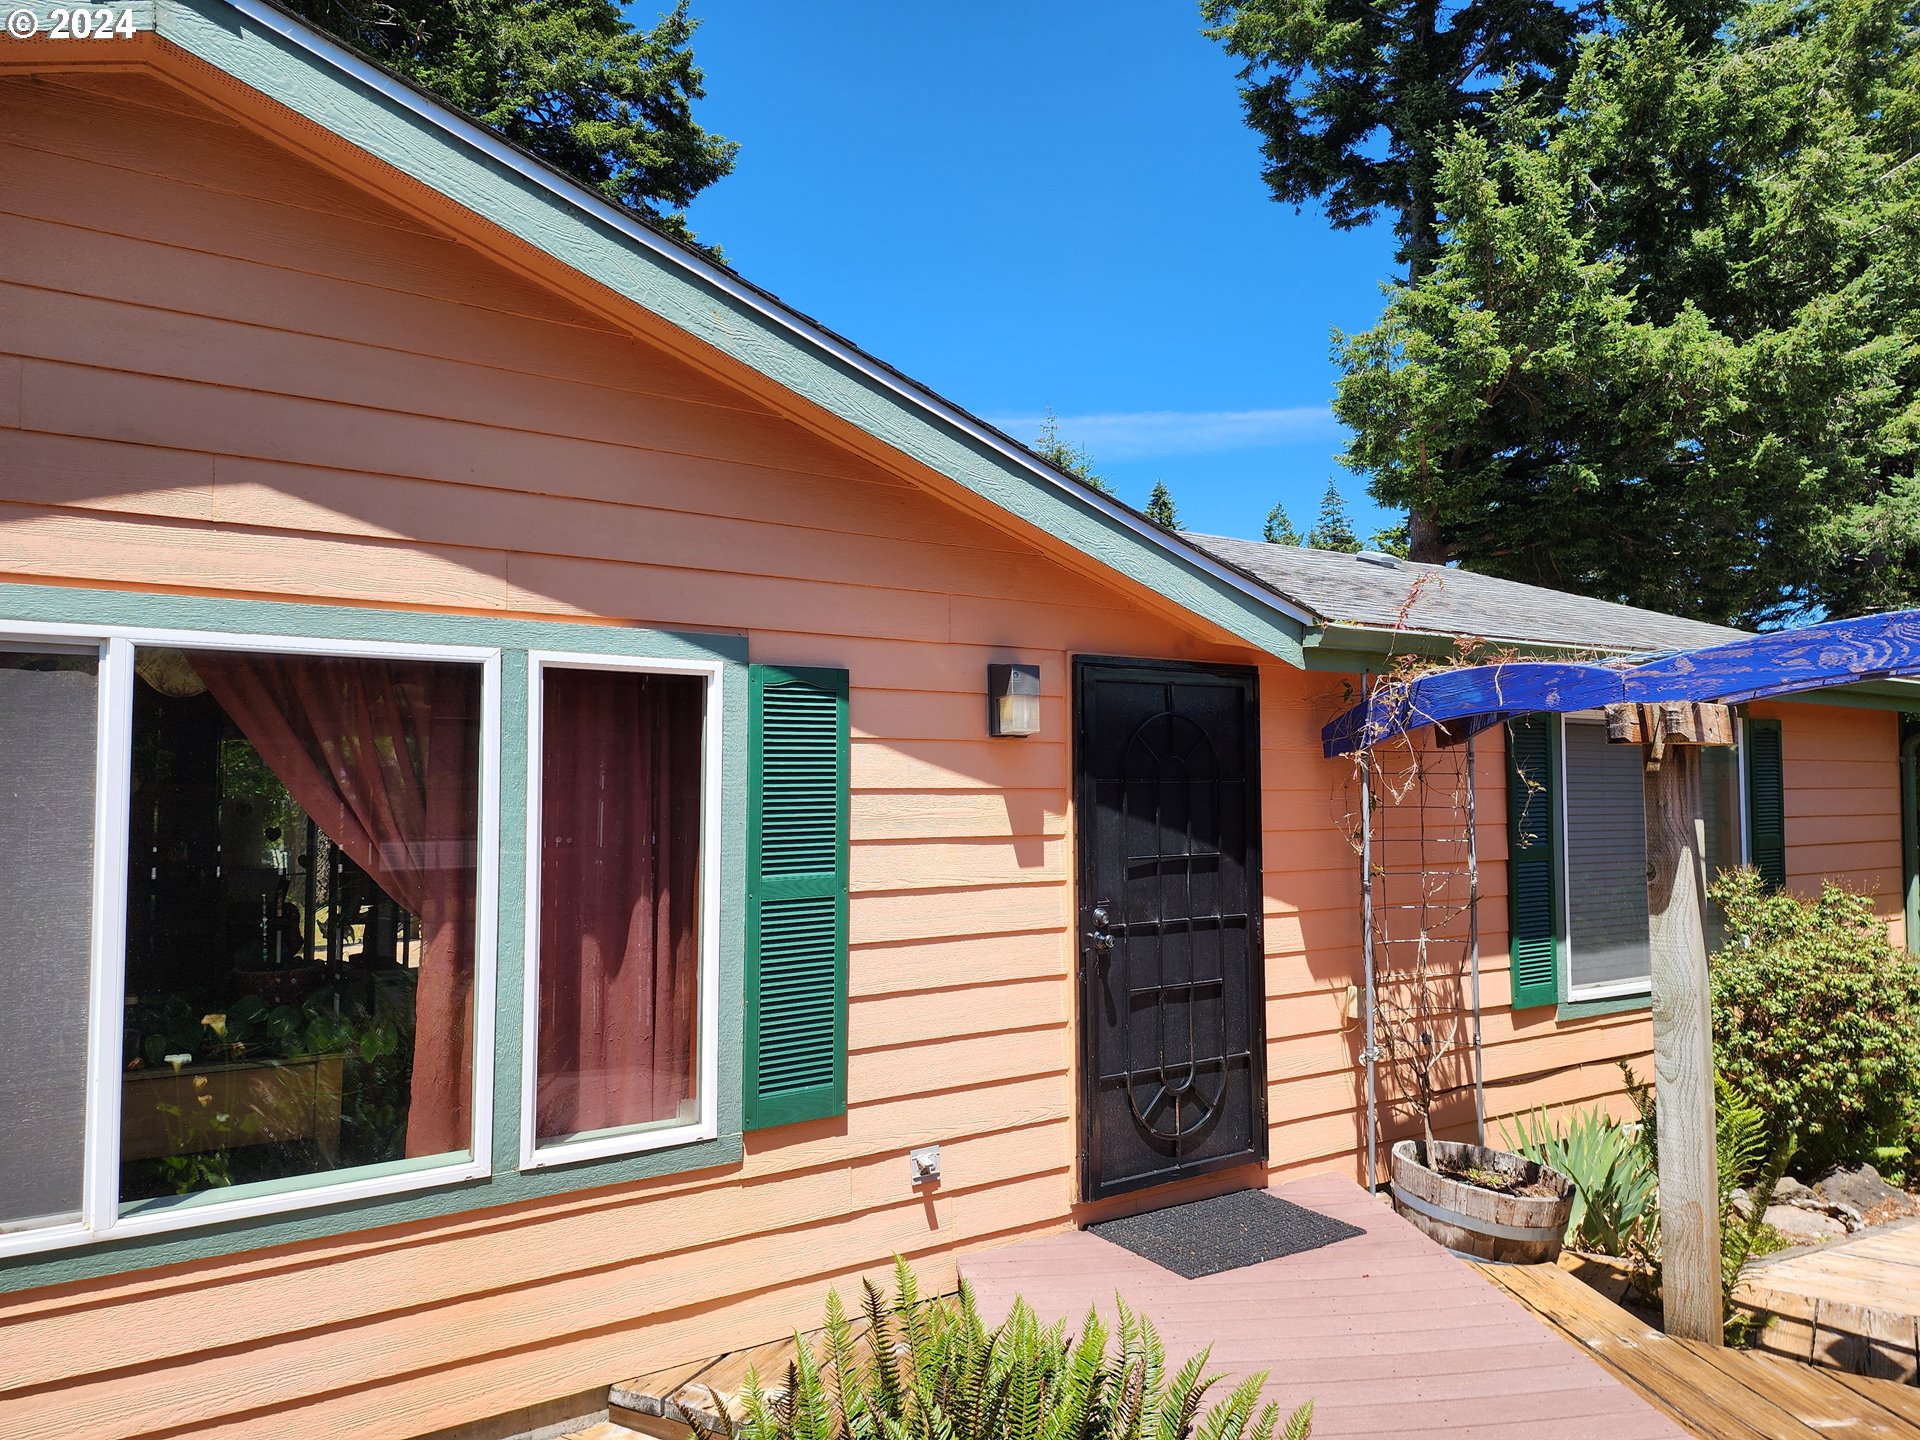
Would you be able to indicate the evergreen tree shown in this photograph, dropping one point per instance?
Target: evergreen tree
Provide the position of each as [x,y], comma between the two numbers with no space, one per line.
[570,80]
[1669,349]
[1279,529]
[1333,528]
[1353,98]
[1059,453]
[1160,507]
[1391,541]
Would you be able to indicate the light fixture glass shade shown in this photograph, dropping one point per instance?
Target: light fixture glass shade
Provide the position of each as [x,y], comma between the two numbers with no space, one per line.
[1013,700]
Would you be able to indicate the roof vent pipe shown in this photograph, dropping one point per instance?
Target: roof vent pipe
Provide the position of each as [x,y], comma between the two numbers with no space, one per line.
[1379,557]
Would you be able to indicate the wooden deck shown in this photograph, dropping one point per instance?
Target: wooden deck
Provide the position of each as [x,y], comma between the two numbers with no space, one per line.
[1716,1394]
[1386,1333]
[1853,1305]
[1391,1336]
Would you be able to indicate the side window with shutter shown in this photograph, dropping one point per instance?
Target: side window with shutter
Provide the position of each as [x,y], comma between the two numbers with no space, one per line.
[797,823]
[1533,859]
[1766,801]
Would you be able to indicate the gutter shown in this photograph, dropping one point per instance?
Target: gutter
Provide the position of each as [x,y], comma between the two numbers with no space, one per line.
[1334,636]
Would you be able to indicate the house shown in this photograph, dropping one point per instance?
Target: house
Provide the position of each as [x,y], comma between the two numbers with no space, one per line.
[537,775]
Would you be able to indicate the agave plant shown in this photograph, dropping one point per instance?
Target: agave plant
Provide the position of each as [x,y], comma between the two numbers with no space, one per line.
[920,1369]
[1615,1190]
[1616,1208]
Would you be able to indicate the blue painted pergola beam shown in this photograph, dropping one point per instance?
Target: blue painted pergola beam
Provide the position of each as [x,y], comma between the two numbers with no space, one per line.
[1754,667]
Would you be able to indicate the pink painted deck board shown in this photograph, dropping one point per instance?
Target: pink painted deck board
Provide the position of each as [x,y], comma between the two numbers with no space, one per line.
[1387,1333]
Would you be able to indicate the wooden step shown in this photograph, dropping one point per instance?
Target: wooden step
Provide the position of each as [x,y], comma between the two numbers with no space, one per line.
[1716,1393]
[1851,1305]
[696,1395]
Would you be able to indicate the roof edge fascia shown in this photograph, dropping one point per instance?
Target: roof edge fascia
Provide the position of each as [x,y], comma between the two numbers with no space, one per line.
[1336,646]
[1903,695]
[282,58]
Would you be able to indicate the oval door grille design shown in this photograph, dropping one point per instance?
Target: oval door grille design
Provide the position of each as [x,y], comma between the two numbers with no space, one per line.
[1176,1068]
[1169,887]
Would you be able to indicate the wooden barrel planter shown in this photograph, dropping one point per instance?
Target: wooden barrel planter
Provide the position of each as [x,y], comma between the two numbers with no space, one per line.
[1477,1222]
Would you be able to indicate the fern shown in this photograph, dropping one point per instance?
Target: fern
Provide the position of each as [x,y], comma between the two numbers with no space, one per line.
[1182,1401]
[807,1399]
[1230,1418]
[884,1368]
[1081,1384]
[932,1370]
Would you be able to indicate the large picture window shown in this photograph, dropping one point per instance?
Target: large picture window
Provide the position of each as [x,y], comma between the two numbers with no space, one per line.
[245,886]
[1608,937]
[622,897]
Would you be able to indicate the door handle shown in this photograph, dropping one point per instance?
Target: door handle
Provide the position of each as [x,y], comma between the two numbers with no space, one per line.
[1099,938]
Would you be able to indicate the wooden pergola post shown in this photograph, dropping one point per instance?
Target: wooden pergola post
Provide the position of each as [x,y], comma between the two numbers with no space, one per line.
[1682,1021]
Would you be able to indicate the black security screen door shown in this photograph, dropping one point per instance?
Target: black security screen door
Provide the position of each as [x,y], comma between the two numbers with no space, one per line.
[1172,1025]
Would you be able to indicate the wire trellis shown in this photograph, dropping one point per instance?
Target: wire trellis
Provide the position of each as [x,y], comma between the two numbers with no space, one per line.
[1414,827]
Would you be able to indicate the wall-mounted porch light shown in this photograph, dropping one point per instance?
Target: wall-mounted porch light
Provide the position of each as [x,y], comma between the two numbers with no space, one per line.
[1013,699]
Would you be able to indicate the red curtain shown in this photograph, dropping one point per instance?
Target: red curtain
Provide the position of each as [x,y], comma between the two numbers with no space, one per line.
[384,755]
[619,895]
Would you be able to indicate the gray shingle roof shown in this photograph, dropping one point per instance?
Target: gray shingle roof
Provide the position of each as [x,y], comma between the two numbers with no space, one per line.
[1346,590]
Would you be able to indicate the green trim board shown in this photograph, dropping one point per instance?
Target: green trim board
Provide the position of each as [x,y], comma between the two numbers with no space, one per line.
[278,55]
[1613,1005]
[82,608]
[798,820]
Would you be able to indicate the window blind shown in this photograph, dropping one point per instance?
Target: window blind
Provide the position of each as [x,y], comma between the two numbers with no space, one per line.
[48,706]
[1606,861]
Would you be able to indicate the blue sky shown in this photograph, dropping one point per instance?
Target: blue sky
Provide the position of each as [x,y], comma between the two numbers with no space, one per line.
[1028,205]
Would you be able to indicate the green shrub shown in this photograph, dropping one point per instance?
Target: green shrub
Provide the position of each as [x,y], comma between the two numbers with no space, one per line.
[1816,1018]
[1613,1182]
[930,1368]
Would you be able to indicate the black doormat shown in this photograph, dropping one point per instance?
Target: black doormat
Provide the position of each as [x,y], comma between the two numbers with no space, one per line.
[1205,1237]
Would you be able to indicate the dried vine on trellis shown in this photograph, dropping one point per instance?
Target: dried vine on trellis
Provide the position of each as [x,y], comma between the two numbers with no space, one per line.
[1422,899]
[1423,891]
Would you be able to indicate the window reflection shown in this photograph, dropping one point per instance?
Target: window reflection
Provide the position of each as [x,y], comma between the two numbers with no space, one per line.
[300,923]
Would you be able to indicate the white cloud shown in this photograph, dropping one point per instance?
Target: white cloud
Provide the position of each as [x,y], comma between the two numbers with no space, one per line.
[1148,434]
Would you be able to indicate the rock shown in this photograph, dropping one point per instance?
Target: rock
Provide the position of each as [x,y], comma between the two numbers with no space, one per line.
[1790,1190]
[1859,1189]
[1741,1203]
[1803,1227]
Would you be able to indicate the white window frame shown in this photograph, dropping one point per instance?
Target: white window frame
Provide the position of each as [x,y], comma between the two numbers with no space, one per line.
[101,1217]
[1635,986]
[637,1139]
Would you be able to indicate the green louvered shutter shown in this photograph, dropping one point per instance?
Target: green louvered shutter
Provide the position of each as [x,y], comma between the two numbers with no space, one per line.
[796,1030]
[1533,859]
[1766,802]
